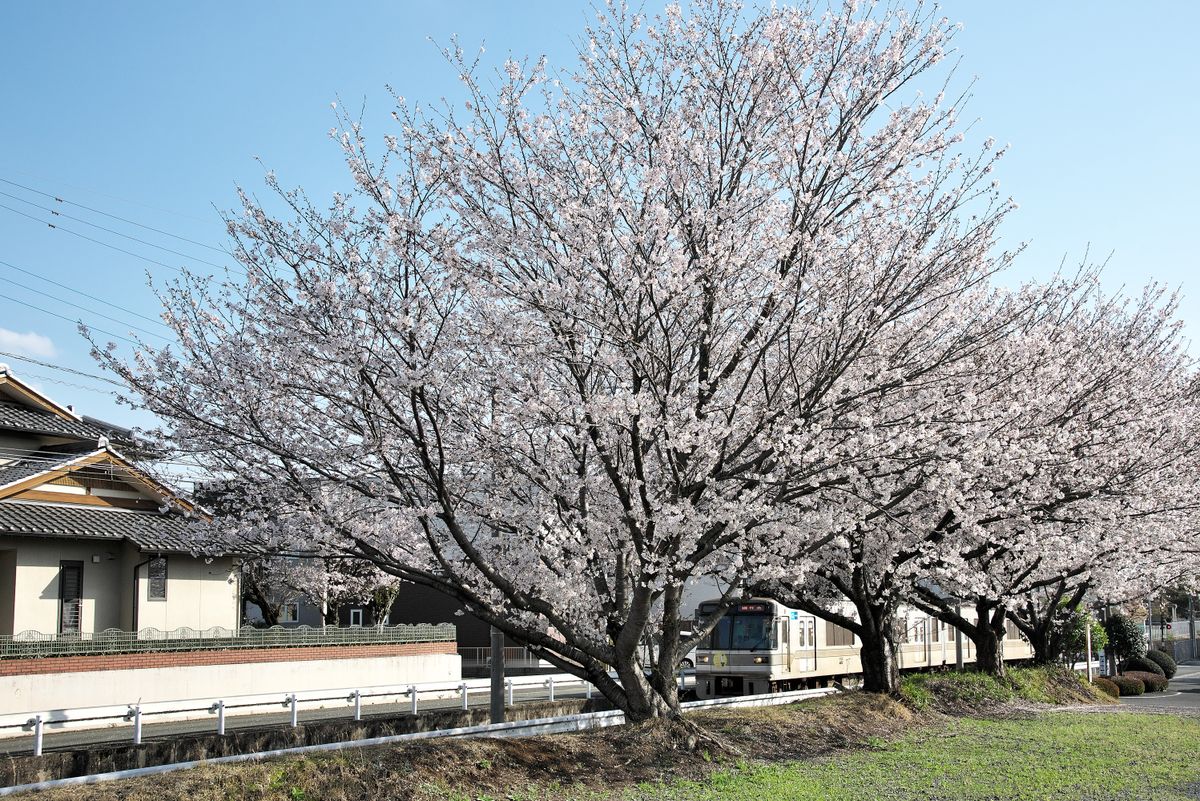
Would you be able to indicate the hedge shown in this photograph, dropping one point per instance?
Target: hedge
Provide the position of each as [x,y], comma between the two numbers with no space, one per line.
[1107,687]
[1127,685]
[1143,665]
[1153,682]
[1164,661]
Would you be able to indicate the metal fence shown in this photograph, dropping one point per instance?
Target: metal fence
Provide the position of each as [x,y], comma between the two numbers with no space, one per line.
[513,657]
[34,644]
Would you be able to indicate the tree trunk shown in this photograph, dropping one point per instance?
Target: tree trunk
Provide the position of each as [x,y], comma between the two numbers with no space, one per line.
[987,635]
[880,667]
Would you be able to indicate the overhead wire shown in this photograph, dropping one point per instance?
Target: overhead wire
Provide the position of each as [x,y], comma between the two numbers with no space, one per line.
[83,308]
[92,239]
[84,294]
[94,192]
[68,319]
[57,213]
[59,367]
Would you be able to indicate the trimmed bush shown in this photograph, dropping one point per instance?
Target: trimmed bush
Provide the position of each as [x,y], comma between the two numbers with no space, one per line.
[1164,661]
[1127,685]
[1153,682]
[1141,664]
[1107,687]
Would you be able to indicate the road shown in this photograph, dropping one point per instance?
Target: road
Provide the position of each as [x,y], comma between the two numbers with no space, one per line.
[1183,694]
[66,740]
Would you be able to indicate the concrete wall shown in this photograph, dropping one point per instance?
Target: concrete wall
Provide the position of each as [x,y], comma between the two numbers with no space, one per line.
[35,584]
[46,692]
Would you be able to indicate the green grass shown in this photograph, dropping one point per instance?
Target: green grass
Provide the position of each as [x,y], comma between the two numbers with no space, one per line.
[1097,757]
[968,690]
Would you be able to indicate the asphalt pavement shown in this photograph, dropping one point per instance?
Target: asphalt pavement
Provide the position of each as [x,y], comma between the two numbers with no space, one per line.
[1182,694]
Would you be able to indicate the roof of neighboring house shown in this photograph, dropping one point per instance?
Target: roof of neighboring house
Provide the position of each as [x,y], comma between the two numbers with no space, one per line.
[150,531]
[39,421]
[40,461]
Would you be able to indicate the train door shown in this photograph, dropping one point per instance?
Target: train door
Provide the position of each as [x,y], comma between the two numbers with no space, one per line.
[785,625]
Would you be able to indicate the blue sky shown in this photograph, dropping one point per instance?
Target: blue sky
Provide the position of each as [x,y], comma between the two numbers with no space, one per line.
[153,112]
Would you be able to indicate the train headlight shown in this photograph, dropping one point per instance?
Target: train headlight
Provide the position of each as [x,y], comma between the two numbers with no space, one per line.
[760,660]
[704,660]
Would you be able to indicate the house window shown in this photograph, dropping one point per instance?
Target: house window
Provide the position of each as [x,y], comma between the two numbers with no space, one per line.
[156,579]
[70,597]
[355,617]
[289,612]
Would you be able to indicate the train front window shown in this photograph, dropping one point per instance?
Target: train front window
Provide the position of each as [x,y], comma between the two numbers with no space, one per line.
[743,633]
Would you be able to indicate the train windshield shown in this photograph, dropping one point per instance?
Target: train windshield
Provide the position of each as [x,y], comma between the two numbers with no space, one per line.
[743,633]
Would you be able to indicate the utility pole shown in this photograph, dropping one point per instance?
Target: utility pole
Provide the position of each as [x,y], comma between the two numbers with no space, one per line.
[497,705]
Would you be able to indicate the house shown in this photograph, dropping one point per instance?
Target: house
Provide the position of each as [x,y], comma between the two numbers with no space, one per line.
[88,540]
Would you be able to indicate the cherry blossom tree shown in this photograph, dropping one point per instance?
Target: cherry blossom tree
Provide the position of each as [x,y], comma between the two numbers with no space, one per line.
[582,338]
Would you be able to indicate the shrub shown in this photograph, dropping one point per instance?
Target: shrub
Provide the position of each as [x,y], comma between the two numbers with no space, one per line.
[1140,664]
[1164,661]
[1125,636]
[1127,685]
[1107,687]
[1153,682]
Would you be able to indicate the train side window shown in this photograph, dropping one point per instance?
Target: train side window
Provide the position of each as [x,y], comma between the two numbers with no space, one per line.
[836,635]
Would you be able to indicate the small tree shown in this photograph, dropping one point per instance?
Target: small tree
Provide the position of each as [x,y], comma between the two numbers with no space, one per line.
[1125,637]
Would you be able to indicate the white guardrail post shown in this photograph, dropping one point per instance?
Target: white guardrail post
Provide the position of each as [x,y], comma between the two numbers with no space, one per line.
[137,724]
[511,690]
[412,692]
[587,690]
[550,683]
[36,720]
[295,716]
[220,705]
[357,698]
[462,688]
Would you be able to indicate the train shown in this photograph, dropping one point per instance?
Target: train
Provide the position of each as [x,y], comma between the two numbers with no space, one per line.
[762,646]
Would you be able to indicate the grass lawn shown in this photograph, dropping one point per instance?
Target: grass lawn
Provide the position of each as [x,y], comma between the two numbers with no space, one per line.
[1077,756]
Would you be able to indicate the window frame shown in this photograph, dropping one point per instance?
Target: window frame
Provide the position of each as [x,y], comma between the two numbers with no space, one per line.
[150,578]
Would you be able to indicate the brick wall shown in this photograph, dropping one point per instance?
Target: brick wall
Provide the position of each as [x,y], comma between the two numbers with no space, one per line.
[241,656]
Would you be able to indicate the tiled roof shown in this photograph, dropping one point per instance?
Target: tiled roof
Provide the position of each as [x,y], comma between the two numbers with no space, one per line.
[148,530]
[39,421]
[39,461]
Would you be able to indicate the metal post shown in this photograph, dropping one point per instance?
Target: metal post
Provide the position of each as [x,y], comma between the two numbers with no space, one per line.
[587,690]
[137,725]
[295,718]
[36,720]
[958,643]
[357,705]
[682,682]
[497,675]
[1087,637]
[412,691]
[221,717]
[550,681]
[511,691]
[462,688]
[1192,624]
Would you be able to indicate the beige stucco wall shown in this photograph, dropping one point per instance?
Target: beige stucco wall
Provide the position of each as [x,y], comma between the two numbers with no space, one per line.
[35,584]
[199,595]
[58,691]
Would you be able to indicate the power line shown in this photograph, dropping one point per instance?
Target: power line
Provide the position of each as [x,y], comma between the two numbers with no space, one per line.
[82,308]
[90,239]
[100,194]
[70,384]
[57,213]
[68,319]
[71,370]
[85,294]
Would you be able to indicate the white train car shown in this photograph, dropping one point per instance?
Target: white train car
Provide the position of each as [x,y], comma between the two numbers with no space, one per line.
[762,646]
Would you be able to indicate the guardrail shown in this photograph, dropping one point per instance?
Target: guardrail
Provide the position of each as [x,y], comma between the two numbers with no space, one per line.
[524,728]
[135,714]
[35,644]
[514,657]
